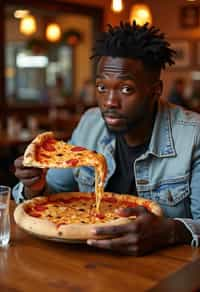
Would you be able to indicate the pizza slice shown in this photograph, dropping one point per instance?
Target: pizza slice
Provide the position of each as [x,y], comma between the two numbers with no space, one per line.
[47,152]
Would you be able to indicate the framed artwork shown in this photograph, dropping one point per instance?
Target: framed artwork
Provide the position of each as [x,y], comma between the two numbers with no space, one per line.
[183,53]
[198,54]
[189,16]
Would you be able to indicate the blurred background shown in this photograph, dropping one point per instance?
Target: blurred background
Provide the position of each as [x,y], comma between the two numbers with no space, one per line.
[47,78]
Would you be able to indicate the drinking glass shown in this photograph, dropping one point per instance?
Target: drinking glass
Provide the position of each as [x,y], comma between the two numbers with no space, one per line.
[4,215]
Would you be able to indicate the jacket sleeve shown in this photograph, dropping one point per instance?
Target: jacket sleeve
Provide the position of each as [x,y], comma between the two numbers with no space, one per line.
[193,224]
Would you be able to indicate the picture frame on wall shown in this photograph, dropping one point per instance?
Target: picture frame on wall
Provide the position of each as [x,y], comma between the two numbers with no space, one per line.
[183,53]
[198,54]
[189,16]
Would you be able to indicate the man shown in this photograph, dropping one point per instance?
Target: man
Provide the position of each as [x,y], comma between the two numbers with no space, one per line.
[152,148]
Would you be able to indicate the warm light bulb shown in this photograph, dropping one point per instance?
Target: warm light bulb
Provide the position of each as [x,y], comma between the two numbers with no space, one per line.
[141,14]
[28,25]
[53,32]
[117,5]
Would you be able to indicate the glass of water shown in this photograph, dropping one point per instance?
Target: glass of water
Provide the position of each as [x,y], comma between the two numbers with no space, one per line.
[4,215]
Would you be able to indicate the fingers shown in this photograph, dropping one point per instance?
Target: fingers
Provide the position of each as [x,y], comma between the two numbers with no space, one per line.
[28,172]
[30,181]
[116,230]
[18,162]
[29,176]
[118,243]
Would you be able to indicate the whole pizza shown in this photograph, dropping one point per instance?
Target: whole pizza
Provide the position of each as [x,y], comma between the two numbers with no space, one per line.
[71,216]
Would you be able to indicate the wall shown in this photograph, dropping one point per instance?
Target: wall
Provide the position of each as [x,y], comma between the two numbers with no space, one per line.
[109,16]
[82,51]
[166,16]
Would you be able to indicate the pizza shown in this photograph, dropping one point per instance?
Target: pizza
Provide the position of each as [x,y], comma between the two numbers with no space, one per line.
[71,216]
[47,152]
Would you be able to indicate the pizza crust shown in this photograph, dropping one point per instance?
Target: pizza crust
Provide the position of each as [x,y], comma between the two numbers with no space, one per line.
[75,231]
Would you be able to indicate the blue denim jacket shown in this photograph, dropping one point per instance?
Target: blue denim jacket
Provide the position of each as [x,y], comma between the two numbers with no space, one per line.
[168,172]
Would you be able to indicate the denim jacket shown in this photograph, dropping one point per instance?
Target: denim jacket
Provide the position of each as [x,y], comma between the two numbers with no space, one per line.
[168,172]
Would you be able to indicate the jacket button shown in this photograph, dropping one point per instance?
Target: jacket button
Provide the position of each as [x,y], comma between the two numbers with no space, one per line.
[169,196]
[142,182]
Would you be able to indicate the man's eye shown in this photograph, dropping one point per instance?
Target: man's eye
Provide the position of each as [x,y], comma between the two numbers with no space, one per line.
[100,88]
[126,90]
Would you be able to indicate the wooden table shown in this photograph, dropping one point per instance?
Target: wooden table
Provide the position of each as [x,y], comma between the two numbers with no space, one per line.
[32,264]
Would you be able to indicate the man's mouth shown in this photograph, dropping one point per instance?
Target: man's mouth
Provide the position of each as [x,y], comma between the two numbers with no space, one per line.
[112,120]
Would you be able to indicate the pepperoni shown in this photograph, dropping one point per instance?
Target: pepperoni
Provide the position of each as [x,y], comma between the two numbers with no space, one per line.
[78,148]
[45,156]
[35,214]
[85,198]
[49,145]
[72,162]
[99,216]
[37,153]
[110,200]
[40,208]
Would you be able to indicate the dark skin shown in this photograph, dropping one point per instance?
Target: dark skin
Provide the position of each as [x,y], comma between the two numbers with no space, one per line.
[32,178]
[127,94]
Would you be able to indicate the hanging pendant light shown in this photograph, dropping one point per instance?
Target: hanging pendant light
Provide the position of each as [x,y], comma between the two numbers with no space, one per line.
[117,5]
[28,25]
[141,13]
[53,32]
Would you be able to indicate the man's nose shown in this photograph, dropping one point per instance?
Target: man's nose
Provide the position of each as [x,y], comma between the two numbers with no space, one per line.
[112,99]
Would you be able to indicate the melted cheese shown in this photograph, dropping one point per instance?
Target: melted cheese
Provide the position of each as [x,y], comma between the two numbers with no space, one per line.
[49,152]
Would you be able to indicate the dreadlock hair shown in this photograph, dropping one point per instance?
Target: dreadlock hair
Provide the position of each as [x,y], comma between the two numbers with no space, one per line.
[137,42]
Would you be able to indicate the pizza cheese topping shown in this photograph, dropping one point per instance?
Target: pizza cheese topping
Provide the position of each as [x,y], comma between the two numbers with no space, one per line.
[78,209]
[45,152]
[71,216]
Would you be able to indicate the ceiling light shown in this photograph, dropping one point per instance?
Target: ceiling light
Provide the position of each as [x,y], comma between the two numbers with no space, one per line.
[141,14]
[28,25]
[117,5]
[53,32]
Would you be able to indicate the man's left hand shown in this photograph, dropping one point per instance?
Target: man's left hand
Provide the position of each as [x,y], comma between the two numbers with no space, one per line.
[144,234]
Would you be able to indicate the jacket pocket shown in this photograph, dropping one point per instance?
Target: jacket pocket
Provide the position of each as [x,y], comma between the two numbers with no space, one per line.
[173,196]
[85,178]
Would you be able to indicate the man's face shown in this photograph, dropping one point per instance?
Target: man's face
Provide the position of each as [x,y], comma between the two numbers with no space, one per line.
[125,93]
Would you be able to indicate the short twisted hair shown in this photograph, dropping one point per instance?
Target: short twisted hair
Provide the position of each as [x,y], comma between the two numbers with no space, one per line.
[137,42]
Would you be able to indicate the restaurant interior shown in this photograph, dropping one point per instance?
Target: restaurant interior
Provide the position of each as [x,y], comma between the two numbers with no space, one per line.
[46,84]
[47,77]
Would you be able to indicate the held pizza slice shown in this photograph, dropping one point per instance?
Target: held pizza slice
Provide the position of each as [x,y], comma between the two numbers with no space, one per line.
[47,152]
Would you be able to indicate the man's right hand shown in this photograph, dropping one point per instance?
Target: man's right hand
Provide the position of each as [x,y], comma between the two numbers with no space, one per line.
[32,178]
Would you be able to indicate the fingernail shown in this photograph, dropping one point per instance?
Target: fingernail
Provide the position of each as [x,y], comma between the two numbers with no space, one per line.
[119,210]
[94,231]
[90,242]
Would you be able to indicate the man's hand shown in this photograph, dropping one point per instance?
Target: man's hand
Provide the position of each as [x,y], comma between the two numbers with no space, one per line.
[32,178]
[144,234]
